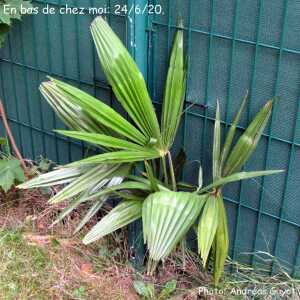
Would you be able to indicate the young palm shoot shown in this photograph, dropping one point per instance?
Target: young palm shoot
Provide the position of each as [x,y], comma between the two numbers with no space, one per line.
[212,228]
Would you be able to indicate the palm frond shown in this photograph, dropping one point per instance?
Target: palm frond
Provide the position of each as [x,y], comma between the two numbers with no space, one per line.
[221,242]
[174,92]
[231,133]
[118,188]
[70,112]
[236,177]
[115,181]
[167,216]
[102,140]
[90,193]
[97,111]
[91,181]
[247,143]
[207,227]
[123,214]
[125,78]
[119,157]
[90,213]
[61,175]
[73,204]
[146,181]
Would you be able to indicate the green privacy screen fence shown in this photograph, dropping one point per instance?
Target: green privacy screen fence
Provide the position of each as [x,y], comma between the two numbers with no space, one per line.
[232,46]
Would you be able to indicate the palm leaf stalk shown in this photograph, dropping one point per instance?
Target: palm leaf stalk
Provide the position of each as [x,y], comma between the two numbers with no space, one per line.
[168,208]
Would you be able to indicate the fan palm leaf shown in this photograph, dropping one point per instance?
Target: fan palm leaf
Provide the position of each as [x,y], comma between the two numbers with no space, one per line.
[167,216]
[100,113]
[69,111]
[125,78]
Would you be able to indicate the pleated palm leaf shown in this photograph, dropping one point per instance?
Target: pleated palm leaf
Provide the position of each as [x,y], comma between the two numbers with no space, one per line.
[167,210]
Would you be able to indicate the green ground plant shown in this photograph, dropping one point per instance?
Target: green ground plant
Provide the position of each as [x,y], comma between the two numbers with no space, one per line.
[9,15]
[11,171]
[147,290]
[167,207]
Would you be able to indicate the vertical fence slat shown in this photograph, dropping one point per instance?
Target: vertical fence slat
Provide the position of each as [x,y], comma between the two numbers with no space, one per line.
[25,78]
[50,70]
[14,87]
[252,88]
[189,47]
[229,95]
[35,63]
[210,46]
[261,200]
[61,38]
[282,206]
[233,51]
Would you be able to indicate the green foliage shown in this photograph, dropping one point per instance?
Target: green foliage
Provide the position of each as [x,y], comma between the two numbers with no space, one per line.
[174,92]
[13,12]
[247,143]
[169,209]
[168,289]
[167,216]
[11,173]
[79,293]
[3,141]
[147,290]
[212,230]
[207,227]
[126,80]
[123,214]
[5,147]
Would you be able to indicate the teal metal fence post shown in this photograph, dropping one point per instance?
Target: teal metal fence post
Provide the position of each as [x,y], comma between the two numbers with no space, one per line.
[137,45]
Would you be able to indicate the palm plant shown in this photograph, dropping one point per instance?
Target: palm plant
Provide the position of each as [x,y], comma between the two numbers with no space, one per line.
[168,208]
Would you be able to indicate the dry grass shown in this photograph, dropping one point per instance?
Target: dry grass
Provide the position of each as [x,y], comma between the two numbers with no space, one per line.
[44,262]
